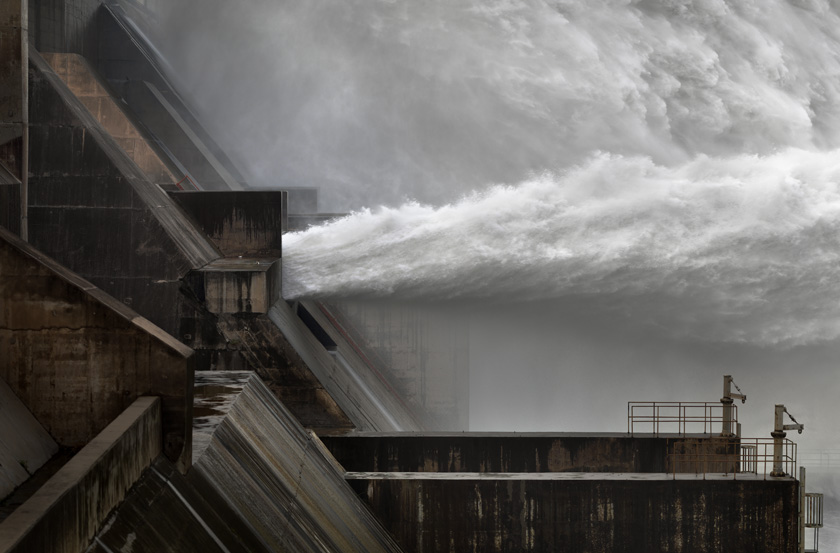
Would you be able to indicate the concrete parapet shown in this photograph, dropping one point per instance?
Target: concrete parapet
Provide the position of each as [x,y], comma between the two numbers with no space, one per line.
[77,357]
[240,223]
[514,452]
[64,515]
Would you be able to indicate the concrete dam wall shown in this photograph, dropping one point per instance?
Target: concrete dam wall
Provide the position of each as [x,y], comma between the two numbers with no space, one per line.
[259,482]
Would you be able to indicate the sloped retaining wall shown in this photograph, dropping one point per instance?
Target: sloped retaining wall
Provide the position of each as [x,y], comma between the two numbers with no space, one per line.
[63,516]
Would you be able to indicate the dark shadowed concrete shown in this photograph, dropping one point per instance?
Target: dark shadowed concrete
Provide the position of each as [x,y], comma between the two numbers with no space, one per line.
[77,357]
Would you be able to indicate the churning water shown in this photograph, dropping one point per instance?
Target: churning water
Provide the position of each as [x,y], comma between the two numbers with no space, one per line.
[675,162]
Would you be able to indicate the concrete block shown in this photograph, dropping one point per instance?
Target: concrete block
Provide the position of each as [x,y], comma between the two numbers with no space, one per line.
[238,285]
[240,223]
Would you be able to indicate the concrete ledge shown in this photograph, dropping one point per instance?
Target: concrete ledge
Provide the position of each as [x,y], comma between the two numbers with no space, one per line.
[65,513]
[242,285]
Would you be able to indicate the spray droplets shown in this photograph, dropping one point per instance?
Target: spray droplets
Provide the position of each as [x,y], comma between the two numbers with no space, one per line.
[741,249]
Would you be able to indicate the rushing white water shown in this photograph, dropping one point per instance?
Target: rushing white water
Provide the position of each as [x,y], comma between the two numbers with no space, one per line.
[744,248]
[376,101]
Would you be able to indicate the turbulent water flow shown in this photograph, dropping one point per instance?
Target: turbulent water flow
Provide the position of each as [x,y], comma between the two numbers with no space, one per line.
[744,248]
[673,161]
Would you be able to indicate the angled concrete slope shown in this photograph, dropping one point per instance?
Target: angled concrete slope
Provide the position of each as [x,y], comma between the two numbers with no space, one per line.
[63,515]
[365,396]
[24,444]
[264,349]
[85,83]
[165,513]
[77,357]
[138,75]
[274,475]
[423,352]
[95,211]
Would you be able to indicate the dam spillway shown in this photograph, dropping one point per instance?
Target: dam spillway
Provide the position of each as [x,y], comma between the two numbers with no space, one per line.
[144,332]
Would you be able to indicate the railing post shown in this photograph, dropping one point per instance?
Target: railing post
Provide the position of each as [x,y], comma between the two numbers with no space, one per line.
[801,510]
[778,435]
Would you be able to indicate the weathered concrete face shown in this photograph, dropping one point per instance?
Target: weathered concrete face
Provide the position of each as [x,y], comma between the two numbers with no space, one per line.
[244,223]
[161,514]
[238,285]
[83,81]
[65,513]
[13,84]
[93,209]
[9,201]
[264,349]
[77,358]
[270,472]
[494,515]
[64,25]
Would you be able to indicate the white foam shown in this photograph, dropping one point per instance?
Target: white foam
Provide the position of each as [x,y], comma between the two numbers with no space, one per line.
[743,248]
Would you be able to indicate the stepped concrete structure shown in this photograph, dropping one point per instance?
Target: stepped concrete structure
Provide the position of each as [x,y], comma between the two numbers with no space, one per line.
[157,393]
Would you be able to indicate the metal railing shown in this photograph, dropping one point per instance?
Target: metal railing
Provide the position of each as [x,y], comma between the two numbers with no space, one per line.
[820,458]
[677,417]
[813,511]
[730,456]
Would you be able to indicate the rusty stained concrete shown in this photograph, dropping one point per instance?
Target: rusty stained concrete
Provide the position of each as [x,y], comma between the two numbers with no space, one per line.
[77,357]
[246,224]
[65,513]
[238,285]
[84,82]
[590,515]
[96,212]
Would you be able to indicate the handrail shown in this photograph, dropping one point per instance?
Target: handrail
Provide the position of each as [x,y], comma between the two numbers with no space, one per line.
[725,456]
[677,417]
[820,458]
